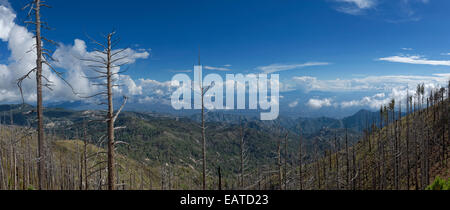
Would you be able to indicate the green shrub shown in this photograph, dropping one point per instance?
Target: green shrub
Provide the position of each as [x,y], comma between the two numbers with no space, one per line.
[440,184]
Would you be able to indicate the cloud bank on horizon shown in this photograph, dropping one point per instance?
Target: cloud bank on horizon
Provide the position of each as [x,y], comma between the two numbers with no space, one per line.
[387,87]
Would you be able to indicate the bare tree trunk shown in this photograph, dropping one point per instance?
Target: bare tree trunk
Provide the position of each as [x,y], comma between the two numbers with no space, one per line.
[86,180]
[203,90]
[347,160]
[280,173]
[337,149]
[354,168]
[2,170]
[203,142]
[220,179]
[80,170]
[105,66]
[408,112]
[444,146]
[150,187]
[317,167]
[383,150]
[40,109]
[241,142]
[14,167]
[330,170]
[300,162]
[426,148]
[398,132]
[379,153]
[443,119]
[42,57]
[324,171]
[416,157]
[285,161]
[110,121]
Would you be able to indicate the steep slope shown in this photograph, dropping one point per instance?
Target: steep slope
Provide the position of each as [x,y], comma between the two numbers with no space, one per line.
[406,154]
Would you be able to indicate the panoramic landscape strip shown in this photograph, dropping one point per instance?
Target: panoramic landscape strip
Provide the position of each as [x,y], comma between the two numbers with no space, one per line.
[292,96]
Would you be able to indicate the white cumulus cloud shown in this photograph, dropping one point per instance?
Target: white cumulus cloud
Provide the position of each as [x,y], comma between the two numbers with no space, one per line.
[388,87]
[319,103]
[293,104]
[22,59]
[400,94]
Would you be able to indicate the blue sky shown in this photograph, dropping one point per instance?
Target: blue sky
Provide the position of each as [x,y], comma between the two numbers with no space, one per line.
[248,34]
[323,40]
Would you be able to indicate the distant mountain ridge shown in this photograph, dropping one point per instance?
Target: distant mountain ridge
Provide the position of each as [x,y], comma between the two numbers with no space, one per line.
[149,127]
[359,121]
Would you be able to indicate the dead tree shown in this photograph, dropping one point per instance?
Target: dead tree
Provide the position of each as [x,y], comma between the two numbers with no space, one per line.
[300,160]
[448,113]
[443,119]
[393,140]
[337,150]
[354,174]
[383,149]
[317,164]
[220,178]
[280,173]
[398,149]
[330,169]
[43,57]
[203,91]
[242,154]
[347,161]
[203,139]
[448,120]
[416,155]
[379,153]
[36,5]
[106,64]
[85,151]
[408,112]
[285,160]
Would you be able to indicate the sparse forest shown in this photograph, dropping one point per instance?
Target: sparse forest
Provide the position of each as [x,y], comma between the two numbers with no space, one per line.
[399,153]
[405,147]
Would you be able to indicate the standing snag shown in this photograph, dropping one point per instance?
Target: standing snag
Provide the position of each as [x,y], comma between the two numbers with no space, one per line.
[300,162]
[106,64]
[43,57]
[242,154]
[203,91]
[280,173]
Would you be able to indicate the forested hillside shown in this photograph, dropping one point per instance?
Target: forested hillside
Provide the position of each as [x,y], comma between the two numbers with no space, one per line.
[169,144]
[403,151]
